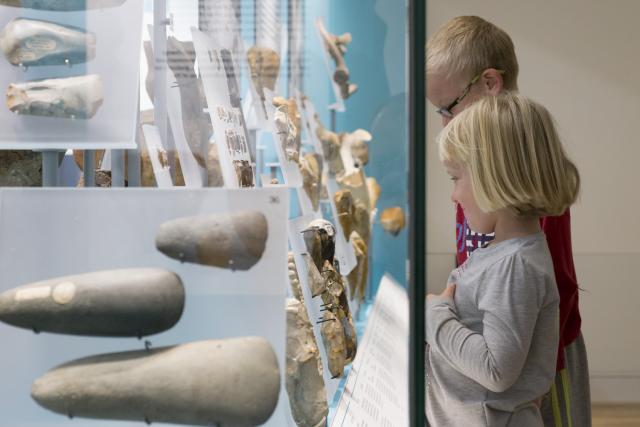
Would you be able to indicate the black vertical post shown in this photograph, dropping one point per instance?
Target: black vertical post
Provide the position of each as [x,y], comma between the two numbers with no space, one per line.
[417,204]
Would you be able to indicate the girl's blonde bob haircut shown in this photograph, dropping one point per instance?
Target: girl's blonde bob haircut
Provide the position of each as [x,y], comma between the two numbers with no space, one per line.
[515,160]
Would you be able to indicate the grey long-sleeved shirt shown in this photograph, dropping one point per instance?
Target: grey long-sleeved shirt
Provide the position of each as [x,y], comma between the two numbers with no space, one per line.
[492,349]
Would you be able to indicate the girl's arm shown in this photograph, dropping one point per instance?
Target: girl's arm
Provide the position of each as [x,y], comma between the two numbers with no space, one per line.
[511,300]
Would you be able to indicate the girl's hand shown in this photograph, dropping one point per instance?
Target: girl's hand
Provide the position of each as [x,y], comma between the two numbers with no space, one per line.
[449,291]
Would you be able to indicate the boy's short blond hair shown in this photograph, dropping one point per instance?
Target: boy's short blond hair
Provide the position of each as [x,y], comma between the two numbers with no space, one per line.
[468,45]
[514,157]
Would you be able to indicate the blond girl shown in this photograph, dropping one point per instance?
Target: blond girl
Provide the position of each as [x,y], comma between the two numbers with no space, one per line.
[492,335]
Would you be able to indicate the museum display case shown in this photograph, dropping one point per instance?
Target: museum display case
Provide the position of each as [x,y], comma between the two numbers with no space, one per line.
[222,236]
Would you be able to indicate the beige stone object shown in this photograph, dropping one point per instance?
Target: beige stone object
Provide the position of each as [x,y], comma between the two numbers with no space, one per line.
[356,184]
[62,5]
[33,42]
[316,281]
[102,179]
[78,157]
[311,170]
[337,48]
[288,128]
[324,192]
[116,303]
[230,382]
[338,331]
[293,113]
[374,191]
[358,276]
[345,208]
[69,97]
[340,350]
[264,66]
[228,240]
[357,141]
[331,144]
[304,381]
[393,220]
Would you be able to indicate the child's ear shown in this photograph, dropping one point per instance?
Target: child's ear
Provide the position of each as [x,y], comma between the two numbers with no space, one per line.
[492,82]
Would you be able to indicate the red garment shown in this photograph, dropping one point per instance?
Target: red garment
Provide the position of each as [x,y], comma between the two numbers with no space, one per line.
[558,232]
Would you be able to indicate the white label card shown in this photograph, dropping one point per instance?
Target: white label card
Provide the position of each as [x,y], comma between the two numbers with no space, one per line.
[376,390]
[220,87]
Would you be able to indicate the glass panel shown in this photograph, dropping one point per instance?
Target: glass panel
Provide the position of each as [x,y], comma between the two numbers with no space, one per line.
[296,112]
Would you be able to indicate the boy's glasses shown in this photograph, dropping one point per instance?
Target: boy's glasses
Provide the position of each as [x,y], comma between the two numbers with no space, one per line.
[446,111]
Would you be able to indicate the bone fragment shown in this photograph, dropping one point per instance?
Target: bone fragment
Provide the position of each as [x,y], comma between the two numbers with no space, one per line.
[336,46]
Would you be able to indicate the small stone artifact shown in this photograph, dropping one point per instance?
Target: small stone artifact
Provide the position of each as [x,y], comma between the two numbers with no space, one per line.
[311,170]
[235,240]
[361,216]
[374,191]
[338,331]
[288,126]
[62,5]
[392,220]
[264,66]
[331,144]
[346,211]
[70,97]
[358,276]
[337,48]
[305,384]
[30,42]
[233,381]
[114,303]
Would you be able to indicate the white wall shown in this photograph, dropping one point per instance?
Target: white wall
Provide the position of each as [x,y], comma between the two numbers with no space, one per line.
[581,59]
